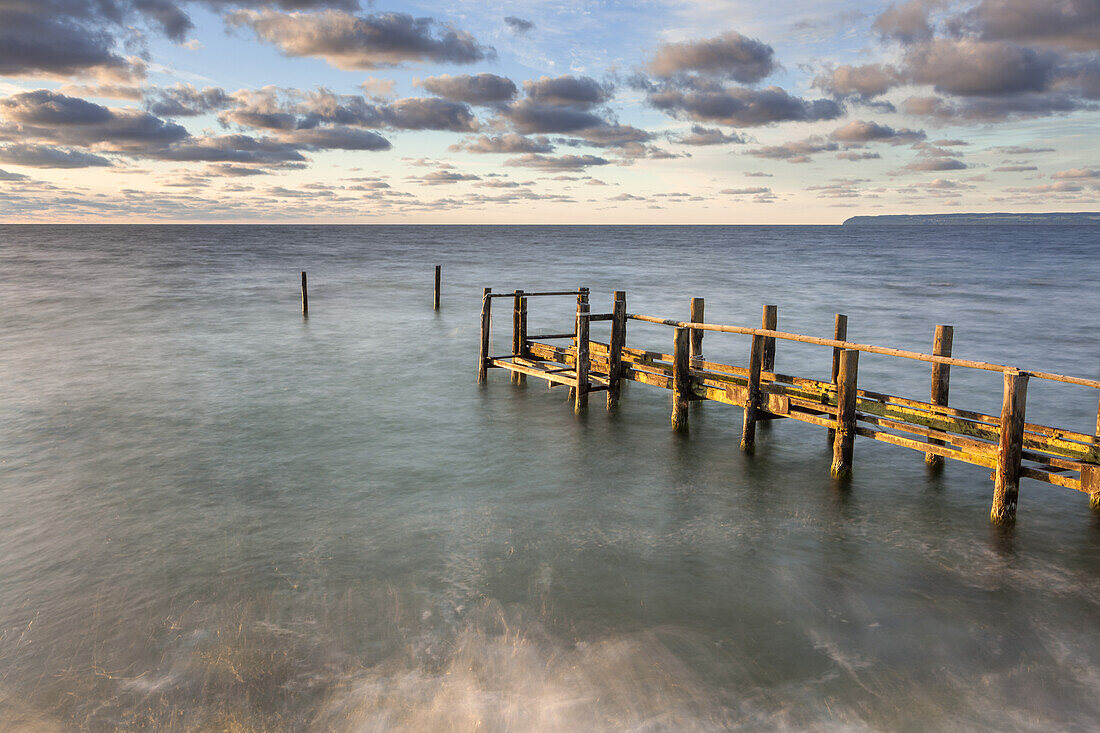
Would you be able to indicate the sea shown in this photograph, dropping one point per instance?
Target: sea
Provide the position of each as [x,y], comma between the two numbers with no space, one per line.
[219,515]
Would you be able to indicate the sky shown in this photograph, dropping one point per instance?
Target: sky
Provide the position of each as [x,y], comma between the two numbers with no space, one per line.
[560,112]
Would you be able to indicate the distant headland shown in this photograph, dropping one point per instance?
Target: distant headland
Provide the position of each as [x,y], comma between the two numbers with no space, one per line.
[1076,218]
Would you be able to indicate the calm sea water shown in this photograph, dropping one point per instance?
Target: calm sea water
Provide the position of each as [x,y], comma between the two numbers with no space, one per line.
[215,515]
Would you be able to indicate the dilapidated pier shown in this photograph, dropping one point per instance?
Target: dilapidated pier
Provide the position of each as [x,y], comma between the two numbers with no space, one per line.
[1006,443]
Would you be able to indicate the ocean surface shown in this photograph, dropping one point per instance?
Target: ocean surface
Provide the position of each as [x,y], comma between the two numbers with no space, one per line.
[218,515]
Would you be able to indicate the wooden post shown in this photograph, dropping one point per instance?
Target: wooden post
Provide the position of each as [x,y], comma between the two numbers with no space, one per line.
[486,319]
[681,381]
[1090,475]
[1007,476]
[305,295]
[581,400]
[519,332]
[436,301]
[941,382]
[845,413]
[582,297]
[756,362]
[615,350]
[840,333]
[769,321]
[696,335]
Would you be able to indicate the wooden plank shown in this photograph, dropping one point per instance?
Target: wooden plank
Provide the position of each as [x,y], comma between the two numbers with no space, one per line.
[551,376]
[752,393]
[656,380]
[941,438]
[941,383]
[486,319]
[681,382]
[958,455]
[846,414]
[1009,448]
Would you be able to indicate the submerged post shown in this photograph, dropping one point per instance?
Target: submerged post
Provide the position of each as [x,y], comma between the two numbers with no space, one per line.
[519,333]
[581,400]
[305,295]
[840,333]
[681,380]
[756,363]
[615,350]
[769,321]
[486,318]
[1006,488]
[1090,475]
[437,273]
[941,382]
[845,414]
[696,351]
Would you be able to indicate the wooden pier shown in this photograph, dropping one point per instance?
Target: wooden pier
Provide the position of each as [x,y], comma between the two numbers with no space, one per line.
[1007,444]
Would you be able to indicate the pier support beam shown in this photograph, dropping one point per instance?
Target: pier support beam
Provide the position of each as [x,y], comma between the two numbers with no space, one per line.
[435,301]
[1006,488]
[580,403]
[681,379]
[840,333]
[615,350]
[845,414]
[756,362]
[486,319]
[519,332]
[941,382]
[769,321]
[305,296]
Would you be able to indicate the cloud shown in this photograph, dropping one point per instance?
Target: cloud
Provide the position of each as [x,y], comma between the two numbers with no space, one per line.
[610,136]
[742,107]
[969,67]
[709,136]
[441,177]
[336,138]
[518,25]
[1068,24]
[796,151]
[728,56]
[858,131]
[994,109]
[908,21]
[576,91]
[231,149]
[426,113]
[361,42]
[42,156]
[8,176]
[1014,168]
[857,155]
[1077,173]
[482,89]
[560,163]
[33,42]
[185,100]
[745,191]
[529,116]
[866,81]
[936,164]
[58,118]
[509,143]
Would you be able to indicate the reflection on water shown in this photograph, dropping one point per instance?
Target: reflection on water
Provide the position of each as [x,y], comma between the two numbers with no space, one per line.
[217,516]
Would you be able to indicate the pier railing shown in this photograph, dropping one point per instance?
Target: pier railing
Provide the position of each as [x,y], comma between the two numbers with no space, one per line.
[1006,443]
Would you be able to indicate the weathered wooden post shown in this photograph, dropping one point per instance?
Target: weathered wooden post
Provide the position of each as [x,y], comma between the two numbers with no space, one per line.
[1090,475]
[696,335]
[305,295]
[519,333]
[615,350]
[840,333]
[681,380]
[941,382]
[437,273]
[769,321]
[582,297]
[486,318]
[752,399]
[580,403]
[1006,488]
[845,414]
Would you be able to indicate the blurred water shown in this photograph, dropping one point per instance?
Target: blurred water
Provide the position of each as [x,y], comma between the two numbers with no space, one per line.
[216,515]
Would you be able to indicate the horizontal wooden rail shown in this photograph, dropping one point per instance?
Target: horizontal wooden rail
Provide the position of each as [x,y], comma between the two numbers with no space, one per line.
[533,295]
[915,355]
[552,336]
